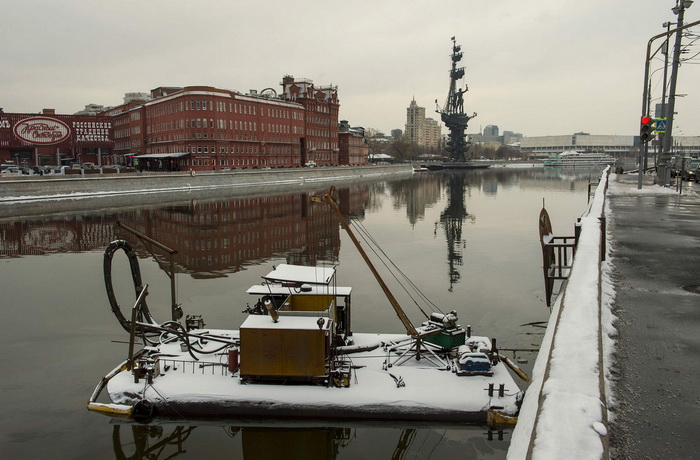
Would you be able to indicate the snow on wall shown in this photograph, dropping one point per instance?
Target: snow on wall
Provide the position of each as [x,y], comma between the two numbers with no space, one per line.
[564,412]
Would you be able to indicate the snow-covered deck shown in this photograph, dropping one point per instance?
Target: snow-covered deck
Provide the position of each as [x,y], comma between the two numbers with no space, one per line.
[205,388]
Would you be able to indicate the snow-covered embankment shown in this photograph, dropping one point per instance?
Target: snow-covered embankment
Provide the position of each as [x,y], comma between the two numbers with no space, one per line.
[564,414]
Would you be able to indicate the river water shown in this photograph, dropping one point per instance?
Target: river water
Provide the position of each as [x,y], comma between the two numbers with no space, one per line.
[468,239]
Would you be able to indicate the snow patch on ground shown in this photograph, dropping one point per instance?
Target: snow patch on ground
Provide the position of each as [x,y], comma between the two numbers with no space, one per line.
[626,185]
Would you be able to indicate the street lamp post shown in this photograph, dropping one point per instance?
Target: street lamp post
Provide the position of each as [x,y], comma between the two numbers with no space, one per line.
[664,174]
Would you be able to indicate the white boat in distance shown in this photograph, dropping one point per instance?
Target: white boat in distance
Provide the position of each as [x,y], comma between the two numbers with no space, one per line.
[572,158]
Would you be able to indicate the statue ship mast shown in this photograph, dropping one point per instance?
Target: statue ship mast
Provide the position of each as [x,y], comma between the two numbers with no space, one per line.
[452,114]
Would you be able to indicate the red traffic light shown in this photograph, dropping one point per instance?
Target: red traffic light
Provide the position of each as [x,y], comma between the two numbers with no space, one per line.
[646,130]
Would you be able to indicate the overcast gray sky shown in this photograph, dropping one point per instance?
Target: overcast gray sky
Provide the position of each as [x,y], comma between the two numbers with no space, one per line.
[533,66]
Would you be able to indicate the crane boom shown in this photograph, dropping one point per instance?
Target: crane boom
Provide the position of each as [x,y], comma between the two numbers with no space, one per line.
[329,199]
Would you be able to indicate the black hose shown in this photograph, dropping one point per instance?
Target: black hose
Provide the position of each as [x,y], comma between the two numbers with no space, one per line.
[145,322]
[144,314]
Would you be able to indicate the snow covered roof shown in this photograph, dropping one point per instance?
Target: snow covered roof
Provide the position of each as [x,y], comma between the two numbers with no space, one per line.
[287,322]
[271,289]
[296,273]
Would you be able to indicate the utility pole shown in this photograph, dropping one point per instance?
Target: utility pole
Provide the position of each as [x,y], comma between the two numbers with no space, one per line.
[664,51]
[664,172]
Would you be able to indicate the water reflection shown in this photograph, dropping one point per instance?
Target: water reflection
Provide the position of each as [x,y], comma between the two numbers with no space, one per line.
[451,220]
[218,237]
[212,238]
[489,219]
[149,442]
[251,442]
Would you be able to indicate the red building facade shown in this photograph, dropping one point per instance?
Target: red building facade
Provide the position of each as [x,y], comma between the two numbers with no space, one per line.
[354,149]
[198,128]
[321,105]
[50,139]
[202,128]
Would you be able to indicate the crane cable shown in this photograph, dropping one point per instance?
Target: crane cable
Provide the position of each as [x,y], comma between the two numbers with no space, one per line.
[383,257]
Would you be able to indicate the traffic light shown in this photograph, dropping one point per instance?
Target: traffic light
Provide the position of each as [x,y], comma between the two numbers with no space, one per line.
[646,131]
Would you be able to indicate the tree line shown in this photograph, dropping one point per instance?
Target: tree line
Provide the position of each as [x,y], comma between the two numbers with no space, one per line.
[402,151]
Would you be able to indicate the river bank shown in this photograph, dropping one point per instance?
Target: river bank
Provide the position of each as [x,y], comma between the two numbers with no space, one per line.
[616,376]
[37,196]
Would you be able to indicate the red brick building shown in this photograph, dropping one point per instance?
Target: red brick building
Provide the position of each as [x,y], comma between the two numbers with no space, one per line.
[51,139]
[204,128]
[354,149]
[321,105]
[201,128]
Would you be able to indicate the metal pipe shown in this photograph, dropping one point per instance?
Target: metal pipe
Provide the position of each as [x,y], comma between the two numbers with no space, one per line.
[175,311]
[132,332]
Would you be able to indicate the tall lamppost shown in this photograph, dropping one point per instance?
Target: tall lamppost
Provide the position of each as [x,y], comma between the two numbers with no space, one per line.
[664,170]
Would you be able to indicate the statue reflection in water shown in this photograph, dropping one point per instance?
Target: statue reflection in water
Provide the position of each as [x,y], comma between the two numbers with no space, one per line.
[451,219]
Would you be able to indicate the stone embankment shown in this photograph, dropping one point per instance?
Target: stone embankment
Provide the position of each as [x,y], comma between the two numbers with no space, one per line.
[36,195]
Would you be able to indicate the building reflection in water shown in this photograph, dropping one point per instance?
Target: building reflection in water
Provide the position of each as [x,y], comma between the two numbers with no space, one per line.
[212,238]
[217,237]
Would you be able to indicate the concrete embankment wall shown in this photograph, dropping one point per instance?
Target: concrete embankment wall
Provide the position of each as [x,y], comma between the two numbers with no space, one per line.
[564,413]
[29,196]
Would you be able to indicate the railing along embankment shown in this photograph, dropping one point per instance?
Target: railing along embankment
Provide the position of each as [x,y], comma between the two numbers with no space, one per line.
[564,413]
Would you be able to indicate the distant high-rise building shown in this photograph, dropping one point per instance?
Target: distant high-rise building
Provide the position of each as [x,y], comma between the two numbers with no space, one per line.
[420,130]
[432,133]
[491,130]
[415,119]
[397,134]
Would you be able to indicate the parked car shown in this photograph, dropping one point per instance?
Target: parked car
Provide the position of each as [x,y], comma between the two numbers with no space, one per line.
[8,164]
[42,170]
[11,171]
[690,173]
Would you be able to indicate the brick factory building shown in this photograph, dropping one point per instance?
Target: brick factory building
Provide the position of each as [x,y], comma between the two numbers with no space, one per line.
[354,149]
[50,139]
[198,128]
[202,128]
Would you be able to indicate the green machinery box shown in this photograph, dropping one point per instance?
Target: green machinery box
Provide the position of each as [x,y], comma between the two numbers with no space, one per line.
[448,338]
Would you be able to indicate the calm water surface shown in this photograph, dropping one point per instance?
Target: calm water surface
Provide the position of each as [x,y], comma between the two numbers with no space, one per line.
[467,239]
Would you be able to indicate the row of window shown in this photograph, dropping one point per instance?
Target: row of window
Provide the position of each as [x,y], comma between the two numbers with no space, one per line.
[220,124]
[254,149]
[239,162]
[221,106]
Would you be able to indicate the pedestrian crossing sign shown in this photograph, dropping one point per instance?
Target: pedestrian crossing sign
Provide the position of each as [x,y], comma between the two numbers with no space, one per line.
[660,125]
